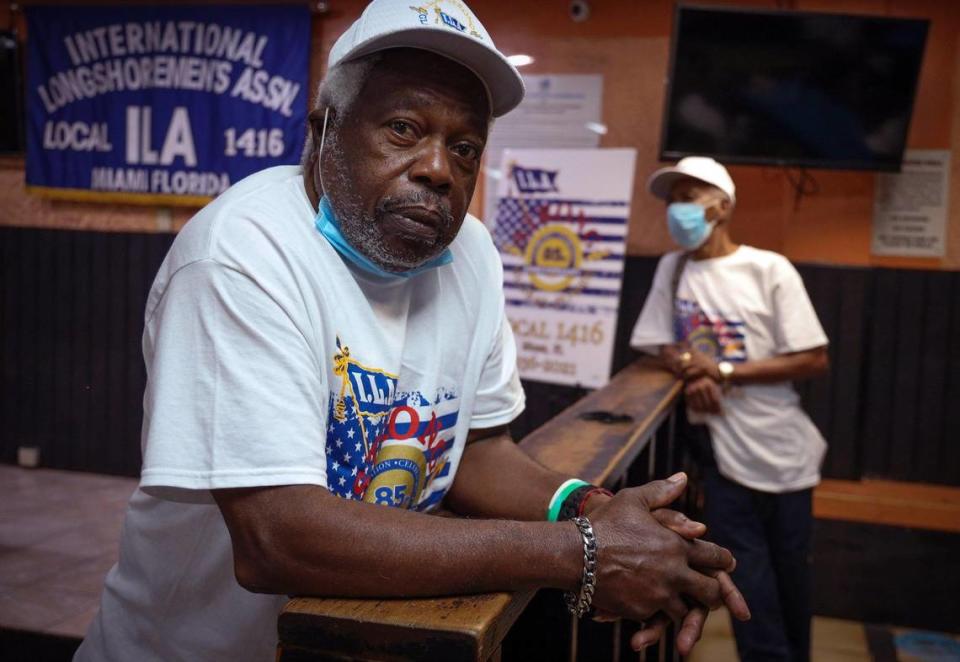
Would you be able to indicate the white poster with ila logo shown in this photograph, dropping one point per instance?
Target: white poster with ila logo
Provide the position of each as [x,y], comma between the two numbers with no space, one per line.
[560,224]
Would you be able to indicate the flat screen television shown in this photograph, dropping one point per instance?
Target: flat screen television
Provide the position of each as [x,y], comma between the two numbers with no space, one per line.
[788,88]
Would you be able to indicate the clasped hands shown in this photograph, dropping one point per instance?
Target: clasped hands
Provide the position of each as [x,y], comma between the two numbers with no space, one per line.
[700,374]
[654,569]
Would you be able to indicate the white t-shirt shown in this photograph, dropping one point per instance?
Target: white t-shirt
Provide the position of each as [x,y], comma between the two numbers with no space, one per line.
[745,306]
[271,362]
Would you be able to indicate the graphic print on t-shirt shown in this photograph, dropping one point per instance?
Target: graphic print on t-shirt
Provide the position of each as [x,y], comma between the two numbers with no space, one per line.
[718,336]
[385,446]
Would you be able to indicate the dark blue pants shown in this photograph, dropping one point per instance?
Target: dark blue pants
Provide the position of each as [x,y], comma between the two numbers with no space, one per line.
[769,534]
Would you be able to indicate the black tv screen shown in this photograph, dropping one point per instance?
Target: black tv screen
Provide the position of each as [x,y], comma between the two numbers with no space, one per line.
[796,89]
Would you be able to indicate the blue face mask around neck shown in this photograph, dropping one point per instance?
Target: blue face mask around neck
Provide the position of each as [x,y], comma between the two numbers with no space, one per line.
[330,229]
[688,225]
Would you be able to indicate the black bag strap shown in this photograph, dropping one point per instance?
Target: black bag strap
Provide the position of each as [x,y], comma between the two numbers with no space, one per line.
[678,268]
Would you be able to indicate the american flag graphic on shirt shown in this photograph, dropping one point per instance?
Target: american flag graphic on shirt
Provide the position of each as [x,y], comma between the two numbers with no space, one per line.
[384,445]
[714,335]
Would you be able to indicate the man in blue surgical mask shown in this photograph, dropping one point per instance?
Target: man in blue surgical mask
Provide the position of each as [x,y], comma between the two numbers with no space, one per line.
[736,324]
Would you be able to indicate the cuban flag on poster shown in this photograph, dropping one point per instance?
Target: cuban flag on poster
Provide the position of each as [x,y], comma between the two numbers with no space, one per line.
[560,224]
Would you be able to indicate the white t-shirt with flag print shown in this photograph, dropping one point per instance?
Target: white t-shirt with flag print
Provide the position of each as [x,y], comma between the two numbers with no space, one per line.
[270,361]
[745,306]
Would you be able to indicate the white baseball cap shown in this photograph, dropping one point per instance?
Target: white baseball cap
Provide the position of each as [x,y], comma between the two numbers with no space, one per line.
[699,167]
[445,27]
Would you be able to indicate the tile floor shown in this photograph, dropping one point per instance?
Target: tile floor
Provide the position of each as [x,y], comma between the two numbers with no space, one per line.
[838,640]
[833,640]
[58,538]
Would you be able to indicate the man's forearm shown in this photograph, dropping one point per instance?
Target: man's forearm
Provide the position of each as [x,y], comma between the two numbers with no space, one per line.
[318,544]
[497,479]
[785,367]
[693,365]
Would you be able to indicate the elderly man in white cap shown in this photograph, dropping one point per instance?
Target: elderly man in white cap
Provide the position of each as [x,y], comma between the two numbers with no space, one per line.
[736,324]
[328,360]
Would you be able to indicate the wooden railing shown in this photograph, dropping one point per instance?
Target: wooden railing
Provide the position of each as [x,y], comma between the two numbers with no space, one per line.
[472,628]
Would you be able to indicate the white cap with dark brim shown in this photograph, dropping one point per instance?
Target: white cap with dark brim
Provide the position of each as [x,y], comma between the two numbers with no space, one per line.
[445,27]
[698,167]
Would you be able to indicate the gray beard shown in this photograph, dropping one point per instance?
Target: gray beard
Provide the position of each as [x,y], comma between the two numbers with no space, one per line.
[363,230]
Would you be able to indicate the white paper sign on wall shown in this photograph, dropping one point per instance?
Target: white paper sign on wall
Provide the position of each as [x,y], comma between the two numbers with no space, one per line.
[560,224]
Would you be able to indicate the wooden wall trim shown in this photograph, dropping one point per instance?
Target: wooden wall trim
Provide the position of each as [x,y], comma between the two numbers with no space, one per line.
[892,503]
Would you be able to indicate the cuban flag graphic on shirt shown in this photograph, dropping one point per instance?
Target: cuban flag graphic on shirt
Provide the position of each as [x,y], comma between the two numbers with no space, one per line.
[385,446]
[715,336]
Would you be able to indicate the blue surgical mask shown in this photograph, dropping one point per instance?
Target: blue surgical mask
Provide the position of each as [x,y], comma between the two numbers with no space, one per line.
[330,229]
[688,225]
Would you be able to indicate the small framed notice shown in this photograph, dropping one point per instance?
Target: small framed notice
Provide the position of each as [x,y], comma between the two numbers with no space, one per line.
[910,207]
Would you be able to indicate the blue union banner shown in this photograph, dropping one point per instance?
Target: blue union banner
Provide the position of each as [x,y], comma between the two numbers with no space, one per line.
[162,104]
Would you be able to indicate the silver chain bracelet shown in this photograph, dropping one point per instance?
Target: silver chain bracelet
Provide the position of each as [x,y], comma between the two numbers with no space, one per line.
[580,604]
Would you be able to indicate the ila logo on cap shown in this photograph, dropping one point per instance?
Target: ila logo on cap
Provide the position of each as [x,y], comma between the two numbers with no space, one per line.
[446,18]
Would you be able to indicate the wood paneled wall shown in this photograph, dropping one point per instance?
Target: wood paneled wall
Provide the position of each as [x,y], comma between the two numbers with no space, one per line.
[911,402]
[886,574]
[71,319]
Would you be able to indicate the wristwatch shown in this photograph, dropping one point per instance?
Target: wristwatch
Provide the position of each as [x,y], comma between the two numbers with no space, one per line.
[726,373]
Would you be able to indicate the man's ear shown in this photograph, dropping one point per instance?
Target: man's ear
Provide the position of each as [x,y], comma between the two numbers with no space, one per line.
[726,207]
[717,211]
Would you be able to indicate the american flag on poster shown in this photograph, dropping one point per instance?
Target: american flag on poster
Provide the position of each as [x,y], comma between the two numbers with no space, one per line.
[599,227]
[560,224]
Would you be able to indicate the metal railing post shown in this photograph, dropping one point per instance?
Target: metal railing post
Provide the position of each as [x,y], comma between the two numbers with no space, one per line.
[574,631]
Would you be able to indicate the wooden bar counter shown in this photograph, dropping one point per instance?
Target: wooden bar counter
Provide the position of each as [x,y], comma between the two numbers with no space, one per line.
[471,628]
